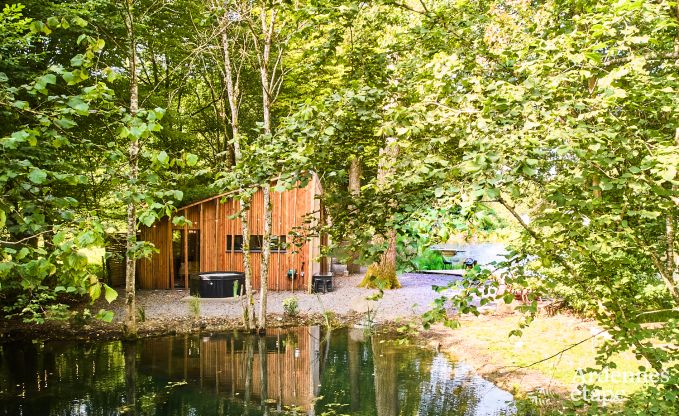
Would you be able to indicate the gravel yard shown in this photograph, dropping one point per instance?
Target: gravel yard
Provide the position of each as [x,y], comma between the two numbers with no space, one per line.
[413,298]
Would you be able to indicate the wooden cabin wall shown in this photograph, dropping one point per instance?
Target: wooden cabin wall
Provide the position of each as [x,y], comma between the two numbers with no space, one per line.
[150,272]
[212,218]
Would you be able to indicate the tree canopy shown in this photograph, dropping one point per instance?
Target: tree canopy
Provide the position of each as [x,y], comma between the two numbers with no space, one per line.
[563,114]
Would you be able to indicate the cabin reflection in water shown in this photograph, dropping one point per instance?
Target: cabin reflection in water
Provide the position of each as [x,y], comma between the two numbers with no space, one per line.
[280,369]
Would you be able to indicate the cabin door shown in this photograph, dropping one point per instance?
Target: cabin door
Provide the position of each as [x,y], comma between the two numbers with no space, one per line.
[185,256]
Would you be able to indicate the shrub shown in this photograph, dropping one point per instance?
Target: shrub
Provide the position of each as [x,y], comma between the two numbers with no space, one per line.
[291,307]
[141,314]
[194,307]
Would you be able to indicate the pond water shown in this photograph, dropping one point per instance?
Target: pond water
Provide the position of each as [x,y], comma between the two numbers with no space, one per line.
[483,253]
[304,371]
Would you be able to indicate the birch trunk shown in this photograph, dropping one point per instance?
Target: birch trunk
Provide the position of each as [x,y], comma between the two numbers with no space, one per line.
[233,93]
[248,311]
[267,31]
[133,152]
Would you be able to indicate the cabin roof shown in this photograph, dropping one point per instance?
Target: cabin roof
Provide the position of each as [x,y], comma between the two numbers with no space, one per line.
[223,194]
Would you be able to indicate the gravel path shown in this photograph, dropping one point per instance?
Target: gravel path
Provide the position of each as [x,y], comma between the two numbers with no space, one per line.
[413,298]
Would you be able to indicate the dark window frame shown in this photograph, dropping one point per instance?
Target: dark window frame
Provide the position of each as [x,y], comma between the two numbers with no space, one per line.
[235,243]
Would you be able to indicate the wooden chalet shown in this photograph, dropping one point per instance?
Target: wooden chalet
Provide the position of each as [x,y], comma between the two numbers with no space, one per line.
[213,241]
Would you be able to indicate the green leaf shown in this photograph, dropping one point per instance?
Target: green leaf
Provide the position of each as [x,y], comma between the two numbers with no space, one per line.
[21,105]
[77,60]
[163,157]
[147,218]
[103,315]
[65,123]
[191,159]
[79,105]
[99,45]
[37,176]
[110,294]
[20,136]
[53,22]
[79,21]
[528,170]
[95,291]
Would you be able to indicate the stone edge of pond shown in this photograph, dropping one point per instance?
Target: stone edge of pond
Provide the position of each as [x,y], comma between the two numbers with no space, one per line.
[93,330]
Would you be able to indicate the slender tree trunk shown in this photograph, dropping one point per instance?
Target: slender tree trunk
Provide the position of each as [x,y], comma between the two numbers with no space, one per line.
[266,255]
[266,78]
[386,267]
[133,151]
[355,191]
[233,93]
[249,312]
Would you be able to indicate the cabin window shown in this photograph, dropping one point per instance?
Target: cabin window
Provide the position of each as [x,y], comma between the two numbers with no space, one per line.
[256,242]
[278,243]
[237,243]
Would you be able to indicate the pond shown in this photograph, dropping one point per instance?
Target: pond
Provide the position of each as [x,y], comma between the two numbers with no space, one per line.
[304,371]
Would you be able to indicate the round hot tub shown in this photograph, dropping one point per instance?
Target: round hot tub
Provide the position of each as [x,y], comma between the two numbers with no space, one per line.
[217,284]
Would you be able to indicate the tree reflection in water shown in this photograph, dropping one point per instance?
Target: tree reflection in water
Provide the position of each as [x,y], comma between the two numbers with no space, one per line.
[301,370]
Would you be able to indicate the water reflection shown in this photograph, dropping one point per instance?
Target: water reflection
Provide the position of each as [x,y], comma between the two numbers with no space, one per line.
[296,371]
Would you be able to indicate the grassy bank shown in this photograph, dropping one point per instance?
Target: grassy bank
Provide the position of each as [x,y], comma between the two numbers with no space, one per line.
[515,364]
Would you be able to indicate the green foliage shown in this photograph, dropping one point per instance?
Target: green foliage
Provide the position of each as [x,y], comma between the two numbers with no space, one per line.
[428,260]
[62,141]
[561,114]
[194,307]
[291,307]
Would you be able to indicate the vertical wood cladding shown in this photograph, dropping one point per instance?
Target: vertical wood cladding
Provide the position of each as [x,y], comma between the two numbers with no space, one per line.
[214,223]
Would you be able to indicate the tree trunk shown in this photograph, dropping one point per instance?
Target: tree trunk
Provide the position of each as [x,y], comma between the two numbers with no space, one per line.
[266,80]
[133,152]
[248,311]
[233,92]
[266,255]
[384,271]
[355,191]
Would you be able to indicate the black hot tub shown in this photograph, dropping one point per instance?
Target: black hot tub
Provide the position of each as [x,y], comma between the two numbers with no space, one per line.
[217,284]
